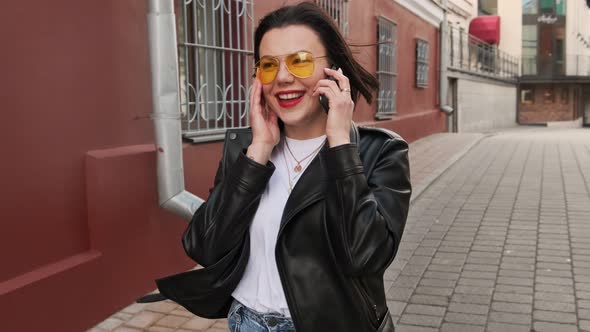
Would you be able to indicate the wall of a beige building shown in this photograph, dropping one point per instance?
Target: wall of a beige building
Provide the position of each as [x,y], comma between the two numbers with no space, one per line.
[461,12]
[484,104]
[510,12]
[577,21]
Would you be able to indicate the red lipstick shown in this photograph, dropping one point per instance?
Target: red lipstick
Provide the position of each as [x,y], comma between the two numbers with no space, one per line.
[294,98]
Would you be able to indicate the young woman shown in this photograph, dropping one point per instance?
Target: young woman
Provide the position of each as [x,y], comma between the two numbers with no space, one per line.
[307,210]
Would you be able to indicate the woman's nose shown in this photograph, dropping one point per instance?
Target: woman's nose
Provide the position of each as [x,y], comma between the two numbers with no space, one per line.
[283,75]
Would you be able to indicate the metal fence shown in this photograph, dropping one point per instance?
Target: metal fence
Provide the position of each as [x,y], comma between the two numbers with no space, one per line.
[551,66]
[215,65]
[470,54]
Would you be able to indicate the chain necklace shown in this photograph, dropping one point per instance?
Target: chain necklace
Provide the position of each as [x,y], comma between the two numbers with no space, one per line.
[298,167]
[288,172]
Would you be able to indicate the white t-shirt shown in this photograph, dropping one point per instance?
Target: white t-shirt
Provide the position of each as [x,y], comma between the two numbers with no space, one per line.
[260,288]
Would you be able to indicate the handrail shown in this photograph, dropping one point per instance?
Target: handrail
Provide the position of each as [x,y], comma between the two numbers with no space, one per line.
[471,54]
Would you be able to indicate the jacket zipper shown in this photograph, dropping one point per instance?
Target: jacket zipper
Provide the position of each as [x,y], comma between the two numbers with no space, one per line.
[368,305]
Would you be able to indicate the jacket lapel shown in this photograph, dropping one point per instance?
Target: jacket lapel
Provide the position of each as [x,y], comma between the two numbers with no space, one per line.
[309,189]
[311,186]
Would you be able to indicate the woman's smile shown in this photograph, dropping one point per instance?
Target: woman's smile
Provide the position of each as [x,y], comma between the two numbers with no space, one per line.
[290,98]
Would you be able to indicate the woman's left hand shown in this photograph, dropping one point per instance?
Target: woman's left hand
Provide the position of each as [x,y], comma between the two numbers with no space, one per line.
[341,106]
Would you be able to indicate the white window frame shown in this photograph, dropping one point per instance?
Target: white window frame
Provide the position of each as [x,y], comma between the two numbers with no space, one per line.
[422,65]
[386,68]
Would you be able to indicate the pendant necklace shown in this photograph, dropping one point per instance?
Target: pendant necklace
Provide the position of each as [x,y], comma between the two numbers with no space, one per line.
[298,167]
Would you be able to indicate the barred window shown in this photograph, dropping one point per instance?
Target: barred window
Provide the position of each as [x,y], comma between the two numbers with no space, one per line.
[386,68]
[421,63]
[338,10]
[215,43]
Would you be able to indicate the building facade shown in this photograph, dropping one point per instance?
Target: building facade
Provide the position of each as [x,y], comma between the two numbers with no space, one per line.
[82,233]
[555,78]
[482,69]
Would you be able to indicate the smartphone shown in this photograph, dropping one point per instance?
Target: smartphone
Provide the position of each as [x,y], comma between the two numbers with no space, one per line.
[323,99]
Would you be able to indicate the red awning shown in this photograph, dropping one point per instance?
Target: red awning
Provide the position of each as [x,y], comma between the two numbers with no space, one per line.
[486,28]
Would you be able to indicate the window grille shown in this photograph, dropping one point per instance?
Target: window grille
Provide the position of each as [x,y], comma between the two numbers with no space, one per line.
[386,68]
[338,10]
[215,43]
[421,63]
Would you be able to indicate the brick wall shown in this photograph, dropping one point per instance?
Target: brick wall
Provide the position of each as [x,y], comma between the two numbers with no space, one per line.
[543,109]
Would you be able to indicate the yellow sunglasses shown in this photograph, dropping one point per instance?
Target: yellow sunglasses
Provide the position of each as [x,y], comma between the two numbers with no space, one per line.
[300,64]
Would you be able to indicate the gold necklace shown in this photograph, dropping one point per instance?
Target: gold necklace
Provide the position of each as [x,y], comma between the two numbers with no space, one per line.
[298,167]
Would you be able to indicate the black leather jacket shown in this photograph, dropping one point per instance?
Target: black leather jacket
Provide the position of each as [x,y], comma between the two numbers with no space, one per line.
[340,229]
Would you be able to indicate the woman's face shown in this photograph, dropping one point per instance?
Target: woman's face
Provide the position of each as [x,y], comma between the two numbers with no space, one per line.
[288,96]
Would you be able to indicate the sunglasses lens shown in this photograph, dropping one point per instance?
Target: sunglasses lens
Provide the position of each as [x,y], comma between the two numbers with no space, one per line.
[300,64]
[267,69]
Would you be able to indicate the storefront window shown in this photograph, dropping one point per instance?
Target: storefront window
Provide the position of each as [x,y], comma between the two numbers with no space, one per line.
[560,7]
[527,95]
[556,7]
[529,6]
[529,49]
[547,6]
[543,38]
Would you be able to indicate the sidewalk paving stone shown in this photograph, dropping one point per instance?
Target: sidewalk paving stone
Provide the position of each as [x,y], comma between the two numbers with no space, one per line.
[497,239]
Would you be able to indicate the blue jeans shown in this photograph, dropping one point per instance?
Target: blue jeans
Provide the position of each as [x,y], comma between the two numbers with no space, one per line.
[242,319]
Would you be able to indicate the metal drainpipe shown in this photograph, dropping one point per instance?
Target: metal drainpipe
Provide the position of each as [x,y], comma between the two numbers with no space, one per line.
[444,81]
[166,115]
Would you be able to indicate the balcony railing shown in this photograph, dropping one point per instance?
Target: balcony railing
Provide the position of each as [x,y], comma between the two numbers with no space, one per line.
[470,54]
[550,66]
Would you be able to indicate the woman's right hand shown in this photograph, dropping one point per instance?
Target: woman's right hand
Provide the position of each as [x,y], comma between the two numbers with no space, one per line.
[265,129]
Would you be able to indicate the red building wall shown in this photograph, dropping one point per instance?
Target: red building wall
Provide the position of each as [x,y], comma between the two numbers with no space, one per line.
[82,234]
[418,113]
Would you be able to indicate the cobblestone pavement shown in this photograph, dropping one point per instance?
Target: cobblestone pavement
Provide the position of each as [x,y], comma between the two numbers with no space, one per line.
[501,241]
[487,245]
[432,155]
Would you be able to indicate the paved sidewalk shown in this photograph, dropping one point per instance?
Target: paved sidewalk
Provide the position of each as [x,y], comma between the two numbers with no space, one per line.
[501,241]
[432,155]
[429,158]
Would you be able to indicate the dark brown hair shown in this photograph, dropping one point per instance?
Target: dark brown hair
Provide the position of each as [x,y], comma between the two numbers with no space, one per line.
[339,53]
